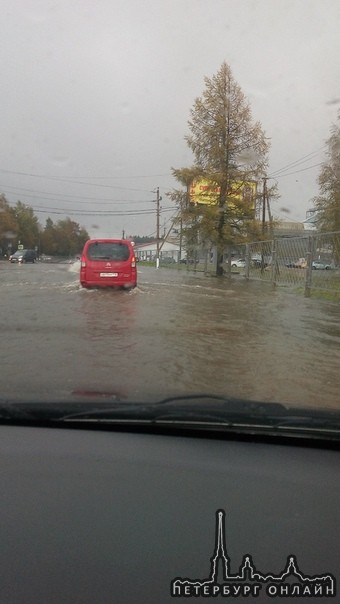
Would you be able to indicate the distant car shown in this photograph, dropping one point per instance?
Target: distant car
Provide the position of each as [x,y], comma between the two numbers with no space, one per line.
[240,263]
[23,256]
[290,264]
[167,260]
[318,265]
[259,261]
[301,263]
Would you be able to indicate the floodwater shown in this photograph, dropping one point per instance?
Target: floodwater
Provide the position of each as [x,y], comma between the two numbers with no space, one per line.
[176,333]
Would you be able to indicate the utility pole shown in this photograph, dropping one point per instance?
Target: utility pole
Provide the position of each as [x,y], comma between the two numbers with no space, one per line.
[123,234]
[264,198]
[270,216]
[158,200]
[180,240]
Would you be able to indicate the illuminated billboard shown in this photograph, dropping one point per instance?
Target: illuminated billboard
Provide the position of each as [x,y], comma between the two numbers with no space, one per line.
[205,192]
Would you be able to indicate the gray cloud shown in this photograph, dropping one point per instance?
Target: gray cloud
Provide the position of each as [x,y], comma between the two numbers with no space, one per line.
[96,97]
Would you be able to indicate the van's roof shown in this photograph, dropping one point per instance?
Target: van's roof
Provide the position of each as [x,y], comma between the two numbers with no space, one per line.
[105,240]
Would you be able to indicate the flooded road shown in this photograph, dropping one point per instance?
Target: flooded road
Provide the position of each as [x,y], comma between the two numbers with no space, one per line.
[176,333]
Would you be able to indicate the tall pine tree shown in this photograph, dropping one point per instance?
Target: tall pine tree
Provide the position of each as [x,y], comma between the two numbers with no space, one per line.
[228,148]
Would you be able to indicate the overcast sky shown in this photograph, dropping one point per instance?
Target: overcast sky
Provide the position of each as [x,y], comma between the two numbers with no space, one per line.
[95,98]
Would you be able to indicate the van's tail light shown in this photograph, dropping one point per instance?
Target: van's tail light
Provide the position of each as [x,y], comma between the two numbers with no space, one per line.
[133,262]
[83,262]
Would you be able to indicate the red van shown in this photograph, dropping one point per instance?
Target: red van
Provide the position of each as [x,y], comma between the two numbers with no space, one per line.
[108,263]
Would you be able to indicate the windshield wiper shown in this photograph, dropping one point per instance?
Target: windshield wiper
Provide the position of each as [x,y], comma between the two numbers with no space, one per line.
[200,404]
[204,412]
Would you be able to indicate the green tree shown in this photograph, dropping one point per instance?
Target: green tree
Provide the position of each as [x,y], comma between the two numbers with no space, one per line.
[65,238]
[27,225]
[8,226]
[49,243]
[328,201]
[228,147]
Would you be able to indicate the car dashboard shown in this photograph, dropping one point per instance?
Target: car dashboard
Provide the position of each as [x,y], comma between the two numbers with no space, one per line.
[101,516]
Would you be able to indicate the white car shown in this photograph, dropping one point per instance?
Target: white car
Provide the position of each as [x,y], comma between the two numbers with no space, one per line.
[318,265]
[240,263]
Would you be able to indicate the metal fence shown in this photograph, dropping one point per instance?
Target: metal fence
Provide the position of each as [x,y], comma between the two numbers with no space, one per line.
[311,262]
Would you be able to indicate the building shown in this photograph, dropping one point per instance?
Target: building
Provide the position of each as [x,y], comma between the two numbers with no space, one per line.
[286,228]
[168,251]
[311,222]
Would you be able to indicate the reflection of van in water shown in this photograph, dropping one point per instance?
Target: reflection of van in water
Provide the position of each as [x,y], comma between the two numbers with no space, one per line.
[108,263]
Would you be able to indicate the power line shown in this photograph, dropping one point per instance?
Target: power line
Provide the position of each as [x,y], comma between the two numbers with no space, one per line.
[296,171]
[121,177]
[153,234]
[99,214]
[71,181]
[88,176]
[298,161]
[72,198]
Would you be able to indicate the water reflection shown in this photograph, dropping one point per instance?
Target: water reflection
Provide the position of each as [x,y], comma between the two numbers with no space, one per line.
[108,314]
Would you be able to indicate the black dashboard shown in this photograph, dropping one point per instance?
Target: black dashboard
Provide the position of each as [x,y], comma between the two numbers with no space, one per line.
[99,517]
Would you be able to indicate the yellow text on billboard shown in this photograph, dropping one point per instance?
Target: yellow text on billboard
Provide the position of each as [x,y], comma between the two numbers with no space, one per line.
[207,193]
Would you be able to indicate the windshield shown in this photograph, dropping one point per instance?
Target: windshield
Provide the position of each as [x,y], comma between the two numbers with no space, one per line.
[205,134]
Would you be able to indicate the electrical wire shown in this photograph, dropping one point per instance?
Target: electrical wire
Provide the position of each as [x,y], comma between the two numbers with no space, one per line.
[70,180]
[297,162]
[94,202]
[95,213]
[296,171]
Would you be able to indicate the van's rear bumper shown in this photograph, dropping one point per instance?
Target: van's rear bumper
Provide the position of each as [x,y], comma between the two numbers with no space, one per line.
[126,282]
[125,285]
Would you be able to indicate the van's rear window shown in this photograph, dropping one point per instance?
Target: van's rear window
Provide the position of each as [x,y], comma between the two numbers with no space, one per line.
[108,251]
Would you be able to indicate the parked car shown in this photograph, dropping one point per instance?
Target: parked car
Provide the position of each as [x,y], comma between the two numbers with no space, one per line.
[301,263]
[108,263]
[240,263]
[23,256]
[318,265]
[258,261]
[167,260]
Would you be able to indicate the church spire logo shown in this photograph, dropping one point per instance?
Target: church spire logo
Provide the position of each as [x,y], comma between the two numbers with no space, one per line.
[291,582]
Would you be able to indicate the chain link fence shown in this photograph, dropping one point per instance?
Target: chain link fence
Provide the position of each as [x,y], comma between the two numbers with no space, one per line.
[311,262]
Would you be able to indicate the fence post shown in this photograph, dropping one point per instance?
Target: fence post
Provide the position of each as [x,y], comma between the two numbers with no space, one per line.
[309,259]
[228,271]
[206,261]
[274,261]
[247,267]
